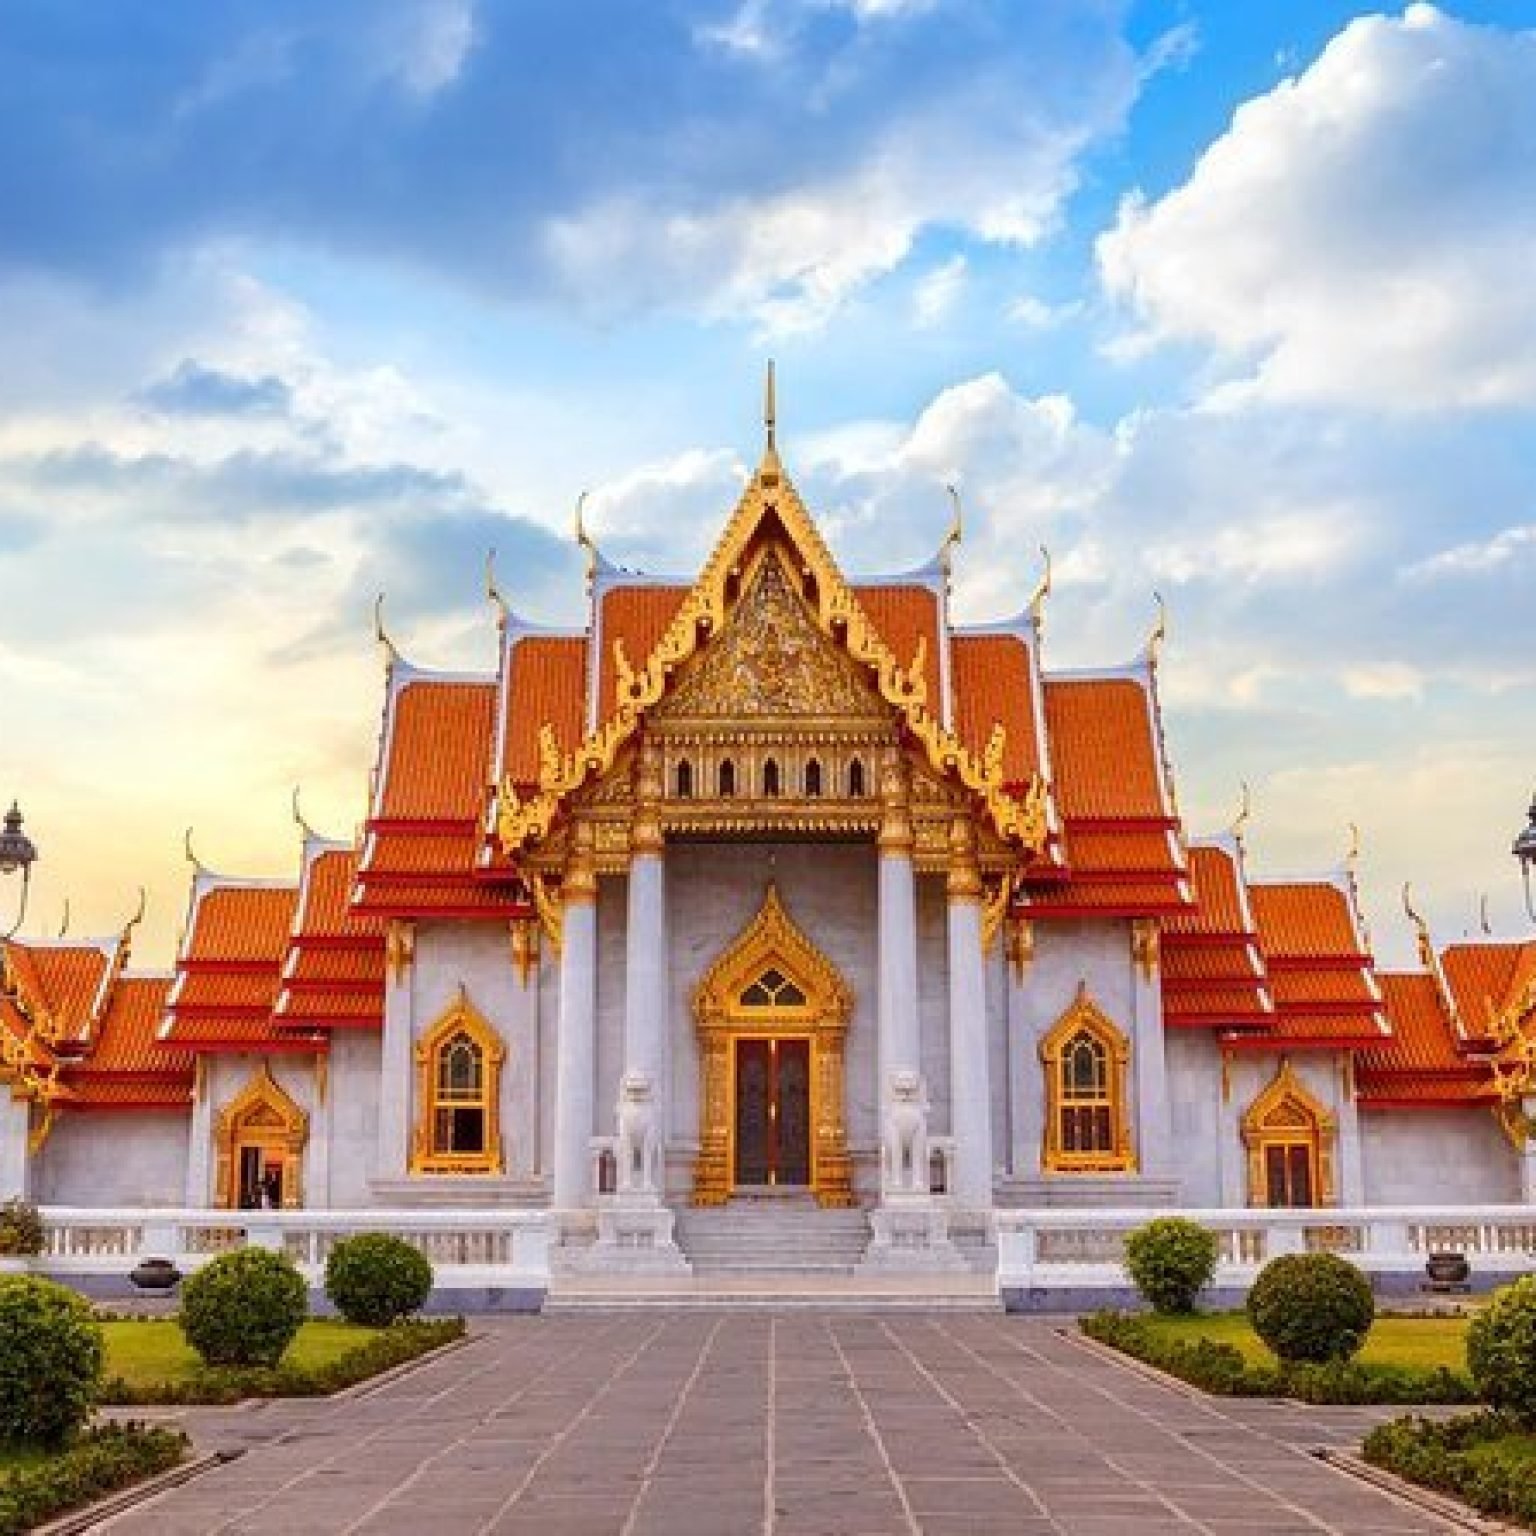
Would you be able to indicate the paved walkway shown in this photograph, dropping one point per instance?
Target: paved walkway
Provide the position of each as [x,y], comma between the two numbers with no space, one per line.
[794,1424]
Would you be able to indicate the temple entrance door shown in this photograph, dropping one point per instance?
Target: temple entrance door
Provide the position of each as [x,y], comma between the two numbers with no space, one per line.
[773,1112]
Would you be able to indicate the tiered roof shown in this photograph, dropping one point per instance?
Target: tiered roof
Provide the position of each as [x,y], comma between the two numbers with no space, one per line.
[333,972]
[1214,973]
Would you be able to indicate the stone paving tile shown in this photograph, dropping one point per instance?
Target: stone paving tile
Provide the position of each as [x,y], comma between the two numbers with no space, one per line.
[798,1424]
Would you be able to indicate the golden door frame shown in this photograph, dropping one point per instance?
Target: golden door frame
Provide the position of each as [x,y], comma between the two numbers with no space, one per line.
[261,1114]
[1287,1113]
[771,941]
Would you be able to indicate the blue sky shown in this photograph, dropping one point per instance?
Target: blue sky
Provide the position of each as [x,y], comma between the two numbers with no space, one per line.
[1230,302]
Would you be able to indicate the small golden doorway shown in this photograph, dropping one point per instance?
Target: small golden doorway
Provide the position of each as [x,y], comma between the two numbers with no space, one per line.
[773,1112]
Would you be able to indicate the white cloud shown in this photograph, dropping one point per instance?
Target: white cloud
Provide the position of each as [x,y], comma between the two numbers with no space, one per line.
[1506,548]
[938,290]
[1361,234]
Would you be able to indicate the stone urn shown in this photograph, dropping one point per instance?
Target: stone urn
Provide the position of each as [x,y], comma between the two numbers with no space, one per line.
[1448,1269]
[155,1275]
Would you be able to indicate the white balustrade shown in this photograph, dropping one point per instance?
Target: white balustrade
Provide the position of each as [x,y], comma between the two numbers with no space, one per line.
[1084,1249]
[468,1248]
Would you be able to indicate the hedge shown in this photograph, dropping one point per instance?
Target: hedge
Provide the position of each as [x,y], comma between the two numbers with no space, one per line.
[232,1384]
[99,1462]
[1223,1370]
[1475,1457]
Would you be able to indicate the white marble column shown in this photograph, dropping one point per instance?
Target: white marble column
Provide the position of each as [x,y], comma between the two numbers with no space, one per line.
[645,939]
[970,1087]
[397,1073]
[899,1041]
[576,1032]
[199,1194]
[15,1158]
[1527,1157]
[1149,1065]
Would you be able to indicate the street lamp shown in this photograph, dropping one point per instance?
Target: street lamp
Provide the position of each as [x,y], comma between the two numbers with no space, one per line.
[1525,850]
[17,851]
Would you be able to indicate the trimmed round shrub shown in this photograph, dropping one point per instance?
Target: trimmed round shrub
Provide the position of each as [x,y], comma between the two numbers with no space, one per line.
[1501,1351]
[375,1279]
[1171,1260]
[21,1230]
[244,1308]
[51,1357]
[1312,1307]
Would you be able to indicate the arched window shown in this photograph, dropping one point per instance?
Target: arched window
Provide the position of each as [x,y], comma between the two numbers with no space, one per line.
[773,989]
[459,1077]
[727,779]
[1289,1137]
[1087,1127]
[813,779]
[856,779]
[771,778]
[684,780]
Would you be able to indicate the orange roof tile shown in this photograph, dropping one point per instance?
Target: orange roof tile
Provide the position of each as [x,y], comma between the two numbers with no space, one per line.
[1422,1036]
[325,912]
[245,991]
[128,1038]
[241,924]
[346,1007]
[546,685]
[637,617]
[1481,975]
[903,615]
[1219,908]
[992,677]
[144,1092]
[330,967]
[64,984]
[1103,750]
[1306,920]
[438,763]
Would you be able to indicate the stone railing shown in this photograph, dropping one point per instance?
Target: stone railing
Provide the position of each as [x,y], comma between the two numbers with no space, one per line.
[485,1250]
[1044,1250]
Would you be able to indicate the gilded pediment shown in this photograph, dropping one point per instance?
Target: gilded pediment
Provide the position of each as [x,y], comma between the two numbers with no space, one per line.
[772,662]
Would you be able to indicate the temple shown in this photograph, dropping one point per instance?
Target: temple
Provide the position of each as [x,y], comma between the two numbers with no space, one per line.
[770,893]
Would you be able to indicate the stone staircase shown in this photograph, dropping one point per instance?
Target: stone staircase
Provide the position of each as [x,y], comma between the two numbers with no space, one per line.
[777,1235]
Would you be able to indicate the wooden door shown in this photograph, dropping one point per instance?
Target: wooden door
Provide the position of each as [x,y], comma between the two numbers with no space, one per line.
[773,1112]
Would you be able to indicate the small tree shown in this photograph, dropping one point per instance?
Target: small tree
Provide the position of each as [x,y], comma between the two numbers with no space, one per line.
[244,1308]
[1171,1260]
[1311,1307]
[51,1357]
[375,1279]
[1501,1350]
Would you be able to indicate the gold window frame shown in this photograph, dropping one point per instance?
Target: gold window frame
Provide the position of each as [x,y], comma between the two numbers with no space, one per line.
[1288,1114]
[1085,1016]
[261,1114]
[460,1017]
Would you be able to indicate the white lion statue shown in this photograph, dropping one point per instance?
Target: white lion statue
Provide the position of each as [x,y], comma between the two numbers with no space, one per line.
[906,1135]
[639,1142]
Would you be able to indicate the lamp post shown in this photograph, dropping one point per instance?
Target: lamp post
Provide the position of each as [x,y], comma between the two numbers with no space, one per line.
[17,852]
[1525,850]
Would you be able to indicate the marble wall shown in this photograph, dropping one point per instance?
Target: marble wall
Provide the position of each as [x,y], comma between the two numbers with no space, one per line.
[113,1159]
[1429,1156]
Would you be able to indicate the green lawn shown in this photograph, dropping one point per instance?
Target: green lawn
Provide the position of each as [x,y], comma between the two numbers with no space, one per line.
[1410,1341]
[143,1353]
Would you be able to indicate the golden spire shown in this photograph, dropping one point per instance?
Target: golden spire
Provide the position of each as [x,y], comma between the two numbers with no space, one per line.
[138,916]
[1426,944]
[198,867]
[1352,857]
[298,816]
[1482,913]
[492,591]
[1159,635]
[584,539]
[64,921]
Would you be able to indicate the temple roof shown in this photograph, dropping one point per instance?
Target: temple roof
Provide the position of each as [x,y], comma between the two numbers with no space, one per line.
[1213,968]
[333,971]
[1423,1064]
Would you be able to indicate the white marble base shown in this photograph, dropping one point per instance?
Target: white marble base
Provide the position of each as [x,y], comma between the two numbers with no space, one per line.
[634,1237]
[911,1236]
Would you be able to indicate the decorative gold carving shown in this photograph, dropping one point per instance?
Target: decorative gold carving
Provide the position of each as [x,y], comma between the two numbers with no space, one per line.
[771,940]
[770,503]
[1286,1114]
[261,1115]
[964,883]
[461,1027]
[1020,946]
[1087,1119]
[1146,946]
[645,827]
[547,906]
[525,945]
[399,948]
[896,804]
[580,887]
[996,896]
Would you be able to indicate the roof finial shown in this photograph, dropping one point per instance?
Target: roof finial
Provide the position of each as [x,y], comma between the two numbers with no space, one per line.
[1352,856]
[1244,813]
[64,921]
[1159,633]
[584,539]
[391,654]
[1042,591]
[770,412]
[492,591]
[198,867]
[298,816]
[1482,916]
[138,916]
[1426,944]
[955,533]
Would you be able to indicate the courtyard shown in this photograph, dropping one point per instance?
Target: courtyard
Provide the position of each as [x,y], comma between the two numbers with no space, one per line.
[793,1423]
